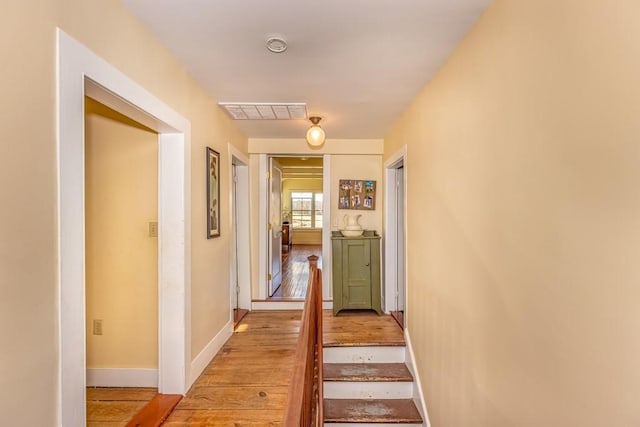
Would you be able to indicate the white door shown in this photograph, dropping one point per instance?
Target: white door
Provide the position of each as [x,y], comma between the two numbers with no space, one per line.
[235,286]
[400,273]
[274,277]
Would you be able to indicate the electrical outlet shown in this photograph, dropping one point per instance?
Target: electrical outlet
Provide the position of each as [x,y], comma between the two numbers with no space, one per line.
[97,327]
[153,229]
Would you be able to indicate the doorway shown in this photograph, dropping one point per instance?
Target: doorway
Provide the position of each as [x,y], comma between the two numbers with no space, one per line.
[121,249]
[240,243]
[300,212]
[114,89]
[395,244]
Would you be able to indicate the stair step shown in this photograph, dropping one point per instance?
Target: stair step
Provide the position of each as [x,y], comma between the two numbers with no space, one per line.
[367,354]
[368,390]
[371,411]
[364,372]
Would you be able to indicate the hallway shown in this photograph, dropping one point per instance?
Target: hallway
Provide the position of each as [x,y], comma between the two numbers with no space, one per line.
[295,272]
[246,383]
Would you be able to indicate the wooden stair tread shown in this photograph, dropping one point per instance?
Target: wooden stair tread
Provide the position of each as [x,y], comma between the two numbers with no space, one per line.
[360,328]
[397,411]
[365,372]
[156,411]
[342,342]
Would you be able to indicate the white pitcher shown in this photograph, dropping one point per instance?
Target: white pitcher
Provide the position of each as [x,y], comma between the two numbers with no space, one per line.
[352,222]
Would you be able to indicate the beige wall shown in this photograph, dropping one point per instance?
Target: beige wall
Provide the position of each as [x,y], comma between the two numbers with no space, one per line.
[523,219]
[365,167]
[121,198]
[28,256]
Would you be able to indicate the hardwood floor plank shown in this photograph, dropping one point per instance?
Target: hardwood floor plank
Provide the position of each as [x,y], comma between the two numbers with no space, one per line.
[156,411]
[113,411]
[225,418]
[121,393]
[115,406]
[106,424]
[236,398]
[246,383]
[295,272]
[360,328]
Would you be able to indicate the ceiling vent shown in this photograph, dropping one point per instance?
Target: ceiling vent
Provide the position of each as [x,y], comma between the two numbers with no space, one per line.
[265,110]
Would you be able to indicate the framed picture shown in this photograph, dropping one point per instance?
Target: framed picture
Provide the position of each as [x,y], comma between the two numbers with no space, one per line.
[357,194]
[213,193]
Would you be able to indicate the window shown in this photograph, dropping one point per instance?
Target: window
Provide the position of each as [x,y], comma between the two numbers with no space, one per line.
[306,209]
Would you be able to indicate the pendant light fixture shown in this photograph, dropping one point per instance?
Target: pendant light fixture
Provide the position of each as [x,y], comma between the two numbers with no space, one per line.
[315,134]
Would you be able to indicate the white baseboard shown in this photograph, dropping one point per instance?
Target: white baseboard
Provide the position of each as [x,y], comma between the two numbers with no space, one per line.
[122,377]
[203,358]
[410,361]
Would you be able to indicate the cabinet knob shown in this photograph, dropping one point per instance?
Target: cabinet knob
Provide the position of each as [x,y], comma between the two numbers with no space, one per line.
[366,265]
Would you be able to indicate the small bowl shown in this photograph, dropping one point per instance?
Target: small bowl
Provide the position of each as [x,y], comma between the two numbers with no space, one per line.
[351,233]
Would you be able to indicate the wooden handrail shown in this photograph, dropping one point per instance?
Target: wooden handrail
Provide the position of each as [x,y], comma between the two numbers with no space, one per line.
[304,401]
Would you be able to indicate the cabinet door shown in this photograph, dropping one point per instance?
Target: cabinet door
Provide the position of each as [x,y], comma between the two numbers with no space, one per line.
[356,273]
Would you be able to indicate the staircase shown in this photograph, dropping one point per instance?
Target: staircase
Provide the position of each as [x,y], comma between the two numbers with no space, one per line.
[368,386]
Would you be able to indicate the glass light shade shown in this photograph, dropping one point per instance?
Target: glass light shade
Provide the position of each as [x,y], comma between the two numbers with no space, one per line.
[315,136]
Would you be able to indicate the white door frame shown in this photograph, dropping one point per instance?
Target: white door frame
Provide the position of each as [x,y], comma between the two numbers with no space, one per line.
[242,244]
[80,72]
[390,226]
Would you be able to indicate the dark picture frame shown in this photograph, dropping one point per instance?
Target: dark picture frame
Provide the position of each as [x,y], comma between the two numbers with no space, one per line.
[213,193]
[358,194]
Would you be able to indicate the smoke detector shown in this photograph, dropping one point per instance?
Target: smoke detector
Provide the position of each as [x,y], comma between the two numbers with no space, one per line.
[276,44]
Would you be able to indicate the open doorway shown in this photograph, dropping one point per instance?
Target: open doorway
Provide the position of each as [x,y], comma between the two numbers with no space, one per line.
[301,205]
[121,257]
[395,244]
[240,246]
[114,89]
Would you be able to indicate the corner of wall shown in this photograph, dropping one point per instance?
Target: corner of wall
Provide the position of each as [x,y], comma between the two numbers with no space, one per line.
[418,395]
[200,362]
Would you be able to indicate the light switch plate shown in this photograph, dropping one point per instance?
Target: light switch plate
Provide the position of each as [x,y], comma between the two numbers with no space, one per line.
[153,229]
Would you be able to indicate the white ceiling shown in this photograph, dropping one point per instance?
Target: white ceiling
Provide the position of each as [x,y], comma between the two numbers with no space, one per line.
[356,63]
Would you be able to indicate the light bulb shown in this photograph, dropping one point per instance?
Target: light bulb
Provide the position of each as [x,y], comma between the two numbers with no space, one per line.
[315,136]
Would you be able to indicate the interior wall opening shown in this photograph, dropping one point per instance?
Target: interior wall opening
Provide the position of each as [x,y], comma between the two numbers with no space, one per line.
[296,217]
[114,89]
[121,259]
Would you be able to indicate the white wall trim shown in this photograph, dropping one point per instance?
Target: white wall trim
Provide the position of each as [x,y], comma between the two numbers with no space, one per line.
[263,220]
[241,160]
[80,70]
[327,275]
[122,377]
[202,360]
[418,395]
[390,220]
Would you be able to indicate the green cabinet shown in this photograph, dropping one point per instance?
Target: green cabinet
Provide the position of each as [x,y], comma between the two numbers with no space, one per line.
[356,273]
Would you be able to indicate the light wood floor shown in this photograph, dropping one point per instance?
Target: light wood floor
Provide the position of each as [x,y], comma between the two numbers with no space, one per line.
[115,406]
[360,328]
[295,271]
[246,383]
